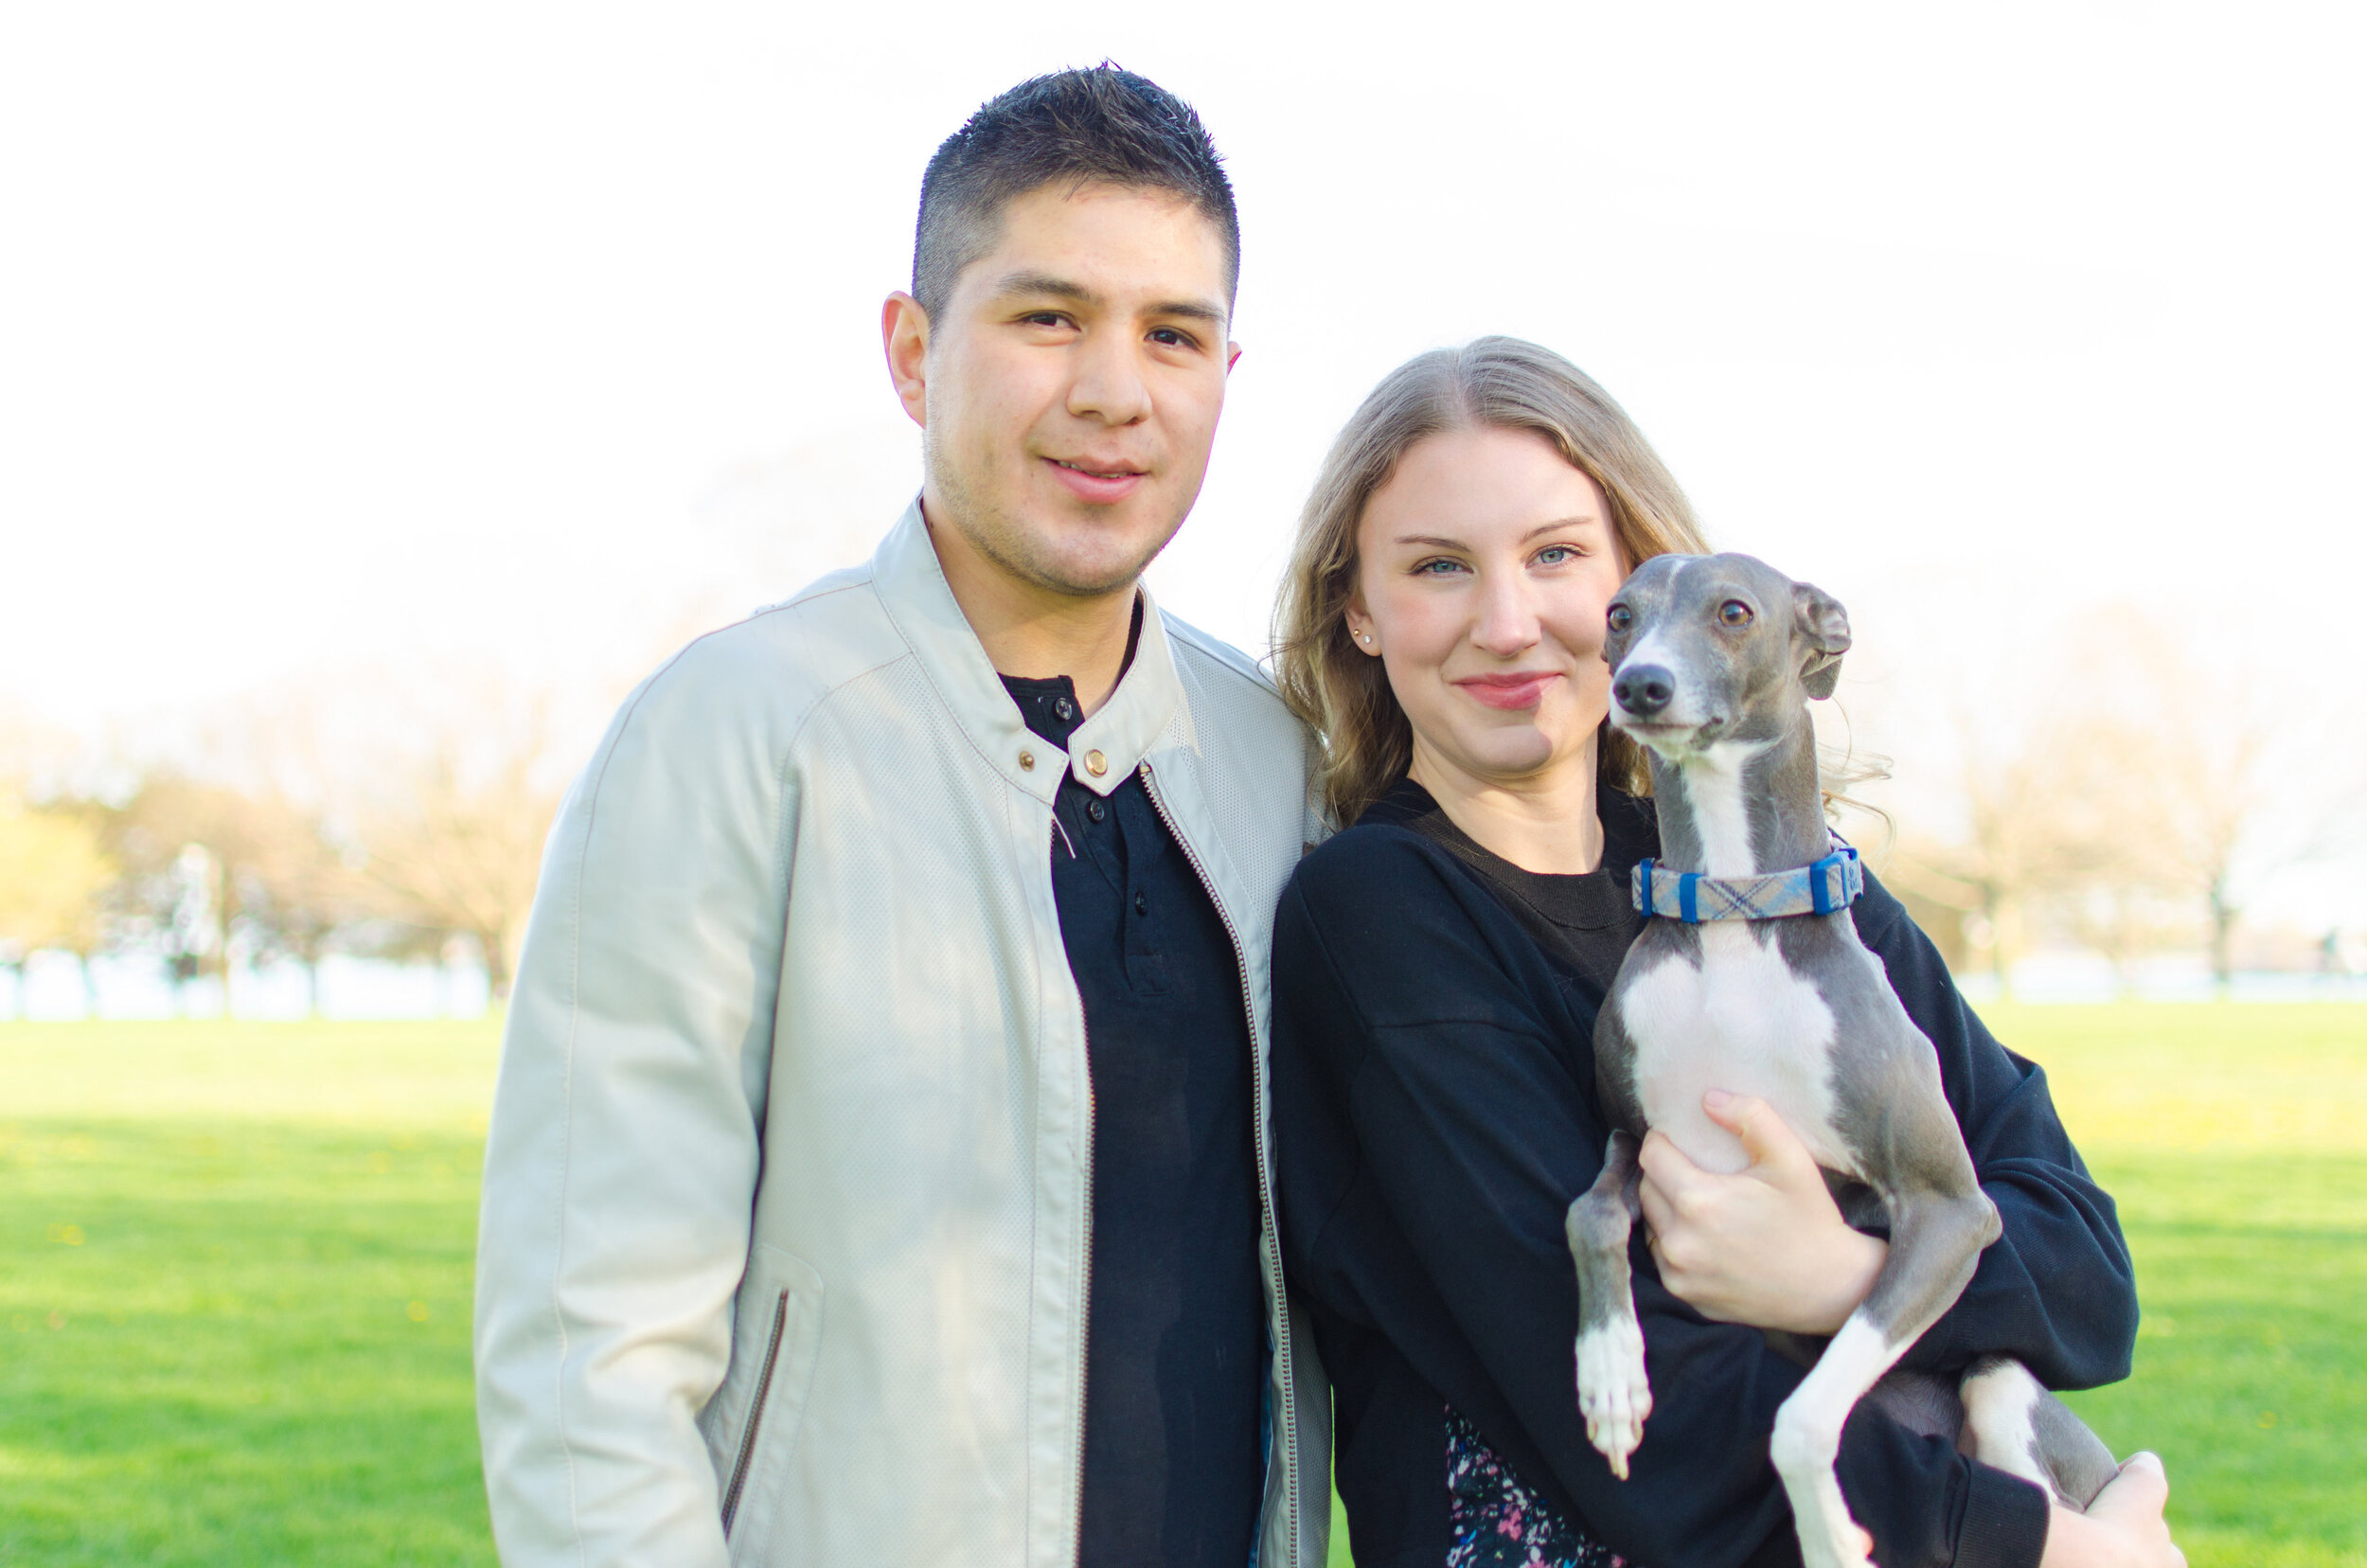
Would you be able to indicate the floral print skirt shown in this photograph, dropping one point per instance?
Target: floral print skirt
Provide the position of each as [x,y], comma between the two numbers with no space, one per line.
[1493,1521]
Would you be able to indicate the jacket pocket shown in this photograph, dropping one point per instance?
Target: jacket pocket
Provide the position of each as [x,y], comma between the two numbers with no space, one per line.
[752,1424]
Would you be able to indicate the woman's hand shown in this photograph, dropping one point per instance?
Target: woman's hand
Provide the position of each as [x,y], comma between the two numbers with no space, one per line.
[2121,1528]
[1766,1246]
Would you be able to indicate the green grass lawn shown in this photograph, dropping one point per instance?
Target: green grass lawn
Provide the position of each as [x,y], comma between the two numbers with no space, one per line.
[2235,1140]
[234,1267]
[235,1278]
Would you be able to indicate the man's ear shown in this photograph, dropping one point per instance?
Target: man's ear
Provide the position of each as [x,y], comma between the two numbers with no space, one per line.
[1821,626]
[904,334]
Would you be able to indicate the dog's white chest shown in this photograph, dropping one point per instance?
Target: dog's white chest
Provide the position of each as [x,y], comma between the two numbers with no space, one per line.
[1744,1023]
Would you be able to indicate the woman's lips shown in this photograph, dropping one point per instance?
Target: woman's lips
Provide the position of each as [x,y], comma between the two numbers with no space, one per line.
[1100,488]
[1511,691]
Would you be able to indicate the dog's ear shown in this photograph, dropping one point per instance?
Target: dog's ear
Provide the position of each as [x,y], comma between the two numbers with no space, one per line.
[1822,627]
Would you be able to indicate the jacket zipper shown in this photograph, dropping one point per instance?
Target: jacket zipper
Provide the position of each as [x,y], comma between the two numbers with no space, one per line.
[1288,1412]
[1085,1270]
[756,1414]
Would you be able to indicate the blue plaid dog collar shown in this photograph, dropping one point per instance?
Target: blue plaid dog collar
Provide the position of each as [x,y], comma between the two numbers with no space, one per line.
[1827,887]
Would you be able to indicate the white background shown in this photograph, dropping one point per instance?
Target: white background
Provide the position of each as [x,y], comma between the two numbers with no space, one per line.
[528,339]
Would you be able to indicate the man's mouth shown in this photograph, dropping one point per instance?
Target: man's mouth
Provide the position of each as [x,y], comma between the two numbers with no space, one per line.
[1101,483]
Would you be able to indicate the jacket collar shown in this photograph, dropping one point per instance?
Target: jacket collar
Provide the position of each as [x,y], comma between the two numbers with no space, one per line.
[911,587]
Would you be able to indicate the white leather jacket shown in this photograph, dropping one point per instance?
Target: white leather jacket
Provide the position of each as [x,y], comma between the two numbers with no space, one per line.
[783,1245]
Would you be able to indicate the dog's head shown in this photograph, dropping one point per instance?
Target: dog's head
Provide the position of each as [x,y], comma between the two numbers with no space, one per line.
[1704,648]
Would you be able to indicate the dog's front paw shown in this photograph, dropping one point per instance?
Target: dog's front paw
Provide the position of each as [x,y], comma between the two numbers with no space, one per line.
[1830,1539]
[1822,1553]
[1614,1394]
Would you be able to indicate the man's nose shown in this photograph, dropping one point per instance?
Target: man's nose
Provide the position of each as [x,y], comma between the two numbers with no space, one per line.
[1108,385]
[1643,689]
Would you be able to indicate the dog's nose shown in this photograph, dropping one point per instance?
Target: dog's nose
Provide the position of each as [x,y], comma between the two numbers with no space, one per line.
[1643,689]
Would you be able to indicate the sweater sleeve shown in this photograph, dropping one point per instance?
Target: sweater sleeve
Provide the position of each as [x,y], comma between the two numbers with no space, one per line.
[1472,1125]
[2057,1291]
[622,1161]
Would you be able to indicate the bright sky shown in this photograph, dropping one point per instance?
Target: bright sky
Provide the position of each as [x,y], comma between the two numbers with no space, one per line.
[534,336]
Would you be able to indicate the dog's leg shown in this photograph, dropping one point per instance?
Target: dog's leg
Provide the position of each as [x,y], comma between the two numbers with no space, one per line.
[1936,1241]
[2013,1423]
[1614,1394]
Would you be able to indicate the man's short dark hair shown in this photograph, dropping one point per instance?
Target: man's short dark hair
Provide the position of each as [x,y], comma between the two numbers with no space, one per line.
[1099,126]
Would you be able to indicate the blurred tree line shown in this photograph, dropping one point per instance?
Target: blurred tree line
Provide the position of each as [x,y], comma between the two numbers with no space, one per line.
[2130,800]
[2134,804]
[256,853]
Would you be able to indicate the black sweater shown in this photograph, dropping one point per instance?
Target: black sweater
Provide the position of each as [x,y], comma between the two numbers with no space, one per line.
[1434,1116]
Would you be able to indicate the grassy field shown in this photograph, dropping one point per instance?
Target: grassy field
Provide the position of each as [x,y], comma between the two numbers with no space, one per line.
[234,1267]
[234,1276]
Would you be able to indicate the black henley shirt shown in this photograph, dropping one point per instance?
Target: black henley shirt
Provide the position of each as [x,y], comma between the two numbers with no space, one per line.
[1176,1343]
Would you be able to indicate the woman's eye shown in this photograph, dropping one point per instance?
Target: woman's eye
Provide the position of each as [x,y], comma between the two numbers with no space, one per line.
[1733,614]
[1621,617]
[1437,568]
[1554,555]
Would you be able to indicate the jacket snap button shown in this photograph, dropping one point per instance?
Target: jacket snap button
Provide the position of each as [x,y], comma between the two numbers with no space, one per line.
[1026,761]
[1096,764]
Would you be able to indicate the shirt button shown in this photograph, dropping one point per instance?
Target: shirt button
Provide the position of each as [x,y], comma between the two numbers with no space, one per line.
[1141,904]
[1096,764]
[1065,708]
[1026,761]
[1094,810]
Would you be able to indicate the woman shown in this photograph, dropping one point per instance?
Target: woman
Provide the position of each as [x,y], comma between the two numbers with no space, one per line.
[1437,969]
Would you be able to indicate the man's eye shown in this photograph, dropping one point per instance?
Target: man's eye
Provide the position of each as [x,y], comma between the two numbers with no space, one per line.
[1045,318]
[1169,337]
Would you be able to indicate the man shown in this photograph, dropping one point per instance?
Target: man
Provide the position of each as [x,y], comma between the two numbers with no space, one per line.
[877,1173]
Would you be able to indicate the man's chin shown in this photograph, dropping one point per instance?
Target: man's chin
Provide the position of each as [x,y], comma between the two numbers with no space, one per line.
[1087,559]
[1081,581]
[1056,545]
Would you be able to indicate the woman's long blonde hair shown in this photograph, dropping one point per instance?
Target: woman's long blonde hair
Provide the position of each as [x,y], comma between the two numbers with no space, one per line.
[1496,383]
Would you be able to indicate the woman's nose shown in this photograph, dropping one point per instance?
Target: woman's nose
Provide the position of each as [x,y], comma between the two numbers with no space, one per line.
[1507,623]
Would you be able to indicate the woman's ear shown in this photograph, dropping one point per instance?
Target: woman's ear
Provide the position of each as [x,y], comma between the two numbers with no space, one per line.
[1360,626]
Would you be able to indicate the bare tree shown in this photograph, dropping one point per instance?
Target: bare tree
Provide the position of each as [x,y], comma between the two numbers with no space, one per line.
[2172,784]
[269,874]
[2013,850]
[2128,809]
[453,837]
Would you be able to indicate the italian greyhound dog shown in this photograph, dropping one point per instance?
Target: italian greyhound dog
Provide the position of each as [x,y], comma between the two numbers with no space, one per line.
[1757,982]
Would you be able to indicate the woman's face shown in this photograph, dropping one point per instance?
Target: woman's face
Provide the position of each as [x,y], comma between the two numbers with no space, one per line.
[1486,564]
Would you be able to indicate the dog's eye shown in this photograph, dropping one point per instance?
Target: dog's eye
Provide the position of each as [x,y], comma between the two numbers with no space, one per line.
[1733,614]
[1621,617]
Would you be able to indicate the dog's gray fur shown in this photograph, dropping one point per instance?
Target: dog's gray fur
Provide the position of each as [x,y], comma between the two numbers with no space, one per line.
[1714,659]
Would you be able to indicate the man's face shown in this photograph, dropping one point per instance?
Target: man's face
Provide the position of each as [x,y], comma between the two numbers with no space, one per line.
[1070,387]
